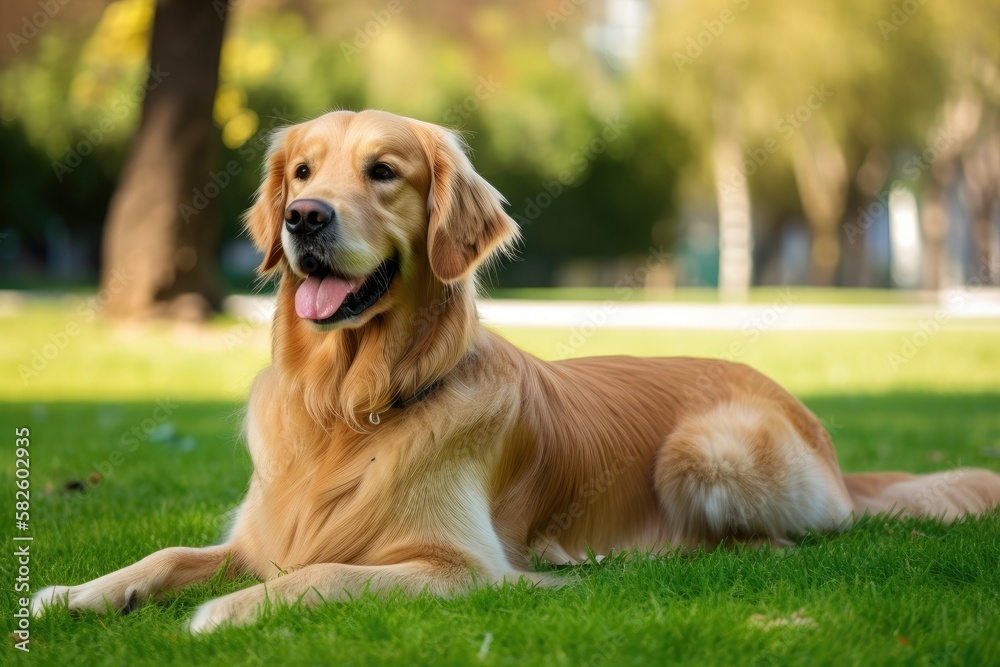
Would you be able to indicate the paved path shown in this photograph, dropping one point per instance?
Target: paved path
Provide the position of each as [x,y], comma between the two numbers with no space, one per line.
[960,309]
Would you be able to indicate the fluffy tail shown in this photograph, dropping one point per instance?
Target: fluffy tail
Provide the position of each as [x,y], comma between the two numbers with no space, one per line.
[944,495]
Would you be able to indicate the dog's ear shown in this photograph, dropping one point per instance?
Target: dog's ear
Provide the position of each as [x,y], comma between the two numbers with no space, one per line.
[265,218]
[467,223]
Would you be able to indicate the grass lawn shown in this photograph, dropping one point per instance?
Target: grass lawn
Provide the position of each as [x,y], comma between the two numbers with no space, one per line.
[156,412]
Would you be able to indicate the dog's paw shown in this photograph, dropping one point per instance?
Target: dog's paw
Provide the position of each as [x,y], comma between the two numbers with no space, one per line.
[93,596]
[206,618]
[50,596]
[239,608]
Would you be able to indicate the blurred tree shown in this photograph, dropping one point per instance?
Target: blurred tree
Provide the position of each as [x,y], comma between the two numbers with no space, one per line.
[161,245]
[589,172]
[821,97]
[961,150]
[732,190]
[809,112]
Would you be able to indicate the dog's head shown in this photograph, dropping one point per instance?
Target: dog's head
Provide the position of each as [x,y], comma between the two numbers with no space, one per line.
[354,204]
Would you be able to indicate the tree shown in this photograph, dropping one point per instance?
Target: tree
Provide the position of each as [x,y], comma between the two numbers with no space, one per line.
[812,92]
[962,152]
[162,231]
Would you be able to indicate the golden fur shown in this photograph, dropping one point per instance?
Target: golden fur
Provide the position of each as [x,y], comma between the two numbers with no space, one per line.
[494,454]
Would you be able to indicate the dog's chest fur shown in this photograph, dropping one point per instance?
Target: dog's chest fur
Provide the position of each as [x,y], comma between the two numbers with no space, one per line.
[341,496]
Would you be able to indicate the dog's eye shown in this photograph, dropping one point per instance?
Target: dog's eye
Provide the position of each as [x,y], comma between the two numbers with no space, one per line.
[302,172]
[381,172]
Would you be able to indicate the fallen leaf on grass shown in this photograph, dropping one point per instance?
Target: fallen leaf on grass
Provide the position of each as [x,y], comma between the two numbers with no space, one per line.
[917,533]
[797,619]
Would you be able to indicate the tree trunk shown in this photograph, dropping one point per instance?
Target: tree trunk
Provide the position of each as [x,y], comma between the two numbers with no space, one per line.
[821,176]
[934,224]
[981,195]
[855,266]
[960,118]
[732,196]
[162,232]
[864,190]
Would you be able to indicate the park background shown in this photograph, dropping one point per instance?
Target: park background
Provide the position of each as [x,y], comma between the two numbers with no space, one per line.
[809,188]
[758,142]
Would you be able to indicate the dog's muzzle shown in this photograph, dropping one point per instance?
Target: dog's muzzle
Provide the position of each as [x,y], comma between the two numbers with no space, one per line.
[325,297]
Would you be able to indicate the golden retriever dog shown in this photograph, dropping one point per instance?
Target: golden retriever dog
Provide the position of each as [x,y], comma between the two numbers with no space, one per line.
[397,444]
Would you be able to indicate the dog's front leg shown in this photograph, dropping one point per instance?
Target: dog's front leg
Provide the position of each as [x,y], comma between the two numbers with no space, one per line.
[329,582]
[129,587]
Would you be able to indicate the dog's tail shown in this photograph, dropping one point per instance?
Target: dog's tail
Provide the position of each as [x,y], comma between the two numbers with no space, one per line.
[943,495]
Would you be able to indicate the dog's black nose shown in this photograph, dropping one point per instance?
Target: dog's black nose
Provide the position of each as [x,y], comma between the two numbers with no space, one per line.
[307,216]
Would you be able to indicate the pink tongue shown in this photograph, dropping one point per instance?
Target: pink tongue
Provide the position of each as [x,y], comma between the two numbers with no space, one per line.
[319,298]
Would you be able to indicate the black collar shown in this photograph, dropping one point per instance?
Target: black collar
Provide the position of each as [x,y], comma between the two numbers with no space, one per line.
[400,403]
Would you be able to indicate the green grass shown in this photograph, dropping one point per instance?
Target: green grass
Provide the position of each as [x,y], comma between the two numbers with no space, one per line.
[884,593]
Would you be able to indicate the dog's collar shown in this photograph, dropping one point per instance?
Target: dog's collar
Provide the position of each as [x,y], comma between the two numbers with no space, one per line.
[375,418]
[400,403]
